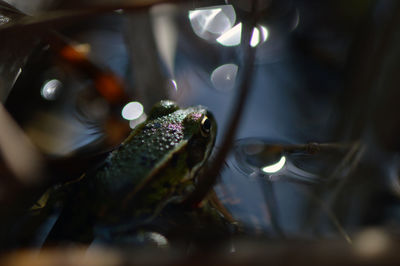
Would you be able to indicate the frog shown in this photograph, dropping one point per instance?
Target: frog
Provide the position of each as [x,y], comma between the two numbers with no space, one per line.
[142,182]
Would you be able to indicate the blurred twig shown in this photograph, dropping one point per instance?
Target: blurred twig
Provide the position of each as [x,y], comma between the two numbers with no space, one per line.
[247,252]
[23,159]
[365,66]
[22,174]
[326,208]
[346,167]
[14,49]
[367,56]
[57,18]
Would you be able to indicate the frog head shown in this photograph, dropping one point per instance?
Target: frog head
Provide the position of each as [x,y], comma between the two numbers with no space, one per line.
[198,128]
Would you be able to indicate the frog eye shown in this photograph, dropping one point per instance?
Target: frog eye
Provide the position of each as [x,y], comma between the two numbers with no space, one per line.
[205,126]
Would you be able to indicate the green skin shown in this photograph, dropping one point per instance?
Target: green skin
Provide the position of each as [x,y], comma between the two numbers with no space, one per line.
[159,160]
[155,166]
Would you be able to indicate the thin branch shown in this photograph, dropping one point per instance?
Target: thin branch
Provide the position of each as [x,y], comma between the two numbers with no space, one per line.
[208,179]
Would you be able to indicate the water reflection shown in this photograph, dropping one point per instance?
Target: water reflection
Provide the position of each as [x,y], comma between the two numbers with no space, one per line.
[224,77]
[271,184]
[276,167]
[277,161]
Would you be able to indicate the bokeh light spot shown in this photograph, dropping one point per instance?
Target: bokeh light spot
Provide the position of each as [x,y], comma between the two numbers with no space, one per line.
[273,168]
[232,37]
[259,35]
[51,89]
[223,78]
[132,110]
[210,22]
